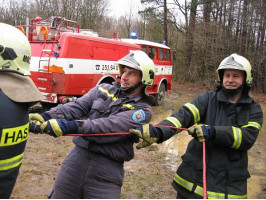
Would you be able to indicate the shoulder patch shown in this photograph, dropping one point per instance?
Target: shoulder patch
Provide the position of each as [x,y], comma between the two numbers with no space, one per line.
[138,116]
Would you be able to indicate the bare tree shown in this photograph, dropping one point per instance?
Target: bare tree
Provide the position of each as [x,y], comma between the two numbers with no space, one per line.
[190,32]
[210,29]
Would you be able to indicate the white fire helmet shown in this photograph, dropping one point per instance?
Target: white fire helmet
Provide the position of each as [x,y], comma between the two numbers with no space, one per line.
[15,53]
[139,60]
[15,50]
[235,61]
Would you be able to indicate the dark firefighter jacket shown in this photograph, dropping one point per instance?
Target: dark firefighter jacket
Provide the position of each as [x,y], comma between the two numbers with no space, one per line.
[104,110]
[14,131]
[237,127]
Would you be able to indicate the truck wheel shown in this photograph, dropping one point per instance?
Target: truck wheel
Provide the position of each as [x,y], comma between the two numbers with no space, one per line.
[159,97]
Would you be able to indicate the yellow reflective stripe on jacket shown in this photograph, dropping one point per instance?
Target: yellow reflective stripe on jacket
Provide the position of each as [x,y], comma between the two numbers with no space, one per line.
[199,190]
[11,162]
[211,195]
[129,106]
[114,98]
[231,196]
[15,135]
[253,124]
[237,133]
[194,110]
[174,121]
[184,183]
[108,94]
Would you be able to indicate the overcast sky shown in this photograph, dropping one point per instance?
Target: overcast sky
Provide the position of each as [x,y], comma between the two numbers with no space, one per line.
[120,7]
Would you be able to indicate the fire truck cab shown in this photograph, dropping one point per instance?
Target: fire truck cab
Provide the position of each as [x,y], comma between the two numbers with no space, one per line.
[67,62]
[161,56]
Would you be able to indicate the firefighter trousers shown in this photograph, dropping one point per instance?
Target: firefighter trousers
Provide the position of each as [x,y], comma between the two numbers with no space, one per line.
[87,175]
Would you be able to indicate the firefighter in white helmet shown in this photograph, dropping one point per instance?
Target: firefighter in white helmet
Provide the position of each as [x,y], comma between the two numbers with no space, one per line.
[137,60]
[94,167]
[228,120]
[17,94]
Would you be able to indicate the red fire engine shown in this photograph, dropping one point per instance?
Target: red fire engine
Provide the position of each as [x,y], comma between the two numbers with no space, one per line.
[67,62]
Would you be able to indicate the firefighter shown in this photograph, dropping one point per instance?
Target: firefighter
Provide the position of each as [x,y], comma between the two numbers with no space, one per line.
[17,94]
[228,120]
[94,167]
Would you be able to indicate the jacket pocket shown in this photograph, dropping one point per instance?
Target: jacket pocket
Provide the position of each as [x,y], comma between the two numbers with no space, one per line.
[238,174]
[99,105]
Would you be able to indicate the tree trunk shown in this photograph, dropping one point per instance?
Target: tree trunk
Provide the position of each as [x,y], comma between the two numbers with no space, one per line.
[165,22]
[190,32]
[244,28]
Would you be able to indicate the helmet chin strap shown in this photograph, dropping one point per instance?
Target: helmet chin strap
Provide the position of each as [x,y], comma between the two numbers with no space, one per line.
[128,90]
[232,92]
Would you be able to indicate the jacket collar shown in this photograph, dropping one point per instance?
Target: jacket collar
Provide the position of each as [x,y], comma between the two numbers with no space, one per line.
[244,98]
[129,98]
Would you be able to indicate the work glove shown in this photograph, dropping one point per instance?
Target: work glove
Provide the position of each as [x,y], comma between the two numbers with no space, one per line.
[59,127]
[148,133]
[36,121]
[202,132]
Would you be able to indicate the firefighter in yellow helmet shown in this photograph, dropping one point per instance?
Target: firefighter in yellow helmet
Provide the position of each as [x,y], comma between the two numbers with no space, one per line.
[17,94]
[94,167]
[228,120]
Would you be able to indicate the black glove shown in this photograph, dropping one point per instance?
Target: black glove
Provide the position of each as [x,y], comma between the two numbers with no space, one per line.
[148,133]
[202,132]
[59,127]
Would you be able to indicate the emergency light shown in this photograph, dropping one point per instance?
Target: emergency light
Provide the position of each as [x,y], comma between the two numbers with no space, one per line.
[44,31]
[133,35]
[56,53]
[22,29]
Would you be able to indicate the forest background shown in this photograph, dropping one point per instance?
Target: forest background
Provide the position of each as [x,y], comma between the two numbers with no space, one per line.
[202,32]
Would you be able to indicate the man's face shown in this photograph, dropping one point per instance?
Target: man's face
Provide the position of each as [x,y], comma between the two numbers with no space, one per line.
[233,78]
[130,77]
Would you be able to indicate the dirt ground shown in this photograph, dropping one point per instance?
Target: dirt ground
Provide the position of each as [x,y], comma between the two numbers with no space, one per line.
[150,173]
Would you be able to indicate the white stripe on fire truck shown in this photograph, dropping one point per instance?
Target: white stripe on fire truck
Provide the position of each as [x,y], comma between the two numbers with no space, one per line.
[86,66]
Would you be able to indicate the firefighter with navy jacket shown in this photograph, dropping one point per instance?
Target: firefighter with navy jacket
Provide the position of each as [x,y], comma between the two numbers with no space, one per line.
[17,94]
[228,120]
[94,167]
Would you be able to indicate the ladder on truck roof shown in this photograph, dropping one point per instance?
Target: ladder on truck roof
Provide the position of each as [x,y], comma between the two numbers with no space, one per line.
[56,25]
[44,75]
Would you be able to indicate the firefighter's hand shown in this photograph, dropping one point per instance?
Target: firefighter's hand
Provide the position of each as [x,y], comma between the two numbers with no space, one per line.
[36,117]
[202,132]
[147,133]
[35,127]
[59,127]
[36,121]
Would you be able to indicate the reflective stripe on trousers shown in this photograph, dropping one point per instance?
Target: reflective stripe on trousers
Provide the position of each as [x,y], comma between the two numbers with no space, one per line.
[199,190]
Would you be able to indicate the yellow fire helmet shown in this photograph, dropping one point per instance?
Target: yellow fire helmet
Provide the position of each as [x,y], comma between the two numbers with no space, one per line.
[235,61]
[139,60]
[15,52]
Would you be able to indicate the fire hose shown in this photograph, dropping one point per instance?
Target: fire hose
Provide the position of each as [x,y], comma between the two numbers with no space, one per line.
[172,127]
[203,160]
